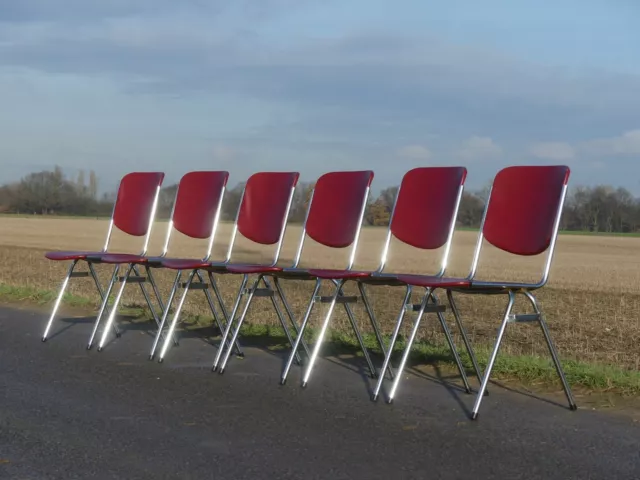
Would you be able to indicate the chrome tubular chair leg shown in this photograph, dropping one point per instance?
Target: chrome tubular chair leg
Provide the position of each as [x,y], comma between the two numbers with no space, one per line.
[375,326]
[221,323]
[323,331]
[492,358]
[154,286]
[407,350]
[465,337]
[225,313]
[283,322]
[103,306]
[165,314]
[243,315]
[147,298]
[356,330]
[94,275]
[392,343]
[158,296]
[176,317]
[292,318]
[454,350]
[553,352]
[225,335]
[303,327]
[56,305]
[114,309]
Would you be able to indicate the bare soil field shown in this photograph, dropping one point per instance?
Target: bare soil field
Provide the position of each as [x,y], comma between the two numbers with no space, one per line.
[592,300]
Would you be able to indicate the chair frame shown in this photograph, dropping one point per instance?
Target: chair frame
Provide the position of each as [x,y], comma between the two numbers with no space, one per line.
[512,289]
[294,272]
[427,304]
[150,263]
[470,285]
[93,258]
[220,268]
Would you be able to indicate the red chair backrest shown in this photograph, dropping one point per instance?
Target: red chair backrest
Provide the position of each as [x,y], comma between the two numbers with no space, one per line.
[426,205]
[198,202]
[523,207]
[134,204]
[265,205]
[336,207]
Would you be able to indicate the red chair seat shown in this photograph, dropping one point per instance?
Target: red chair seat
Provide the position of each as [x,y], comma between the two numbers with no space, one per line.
[292,274]
[190,264]
[488,288]
[117,258]
[249,269]
[72,255]
[428,281]
[329,274]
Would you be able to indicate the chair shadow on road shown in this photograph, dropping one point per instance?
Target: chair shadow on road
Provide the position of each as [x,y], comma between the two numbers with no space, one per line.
[275,343]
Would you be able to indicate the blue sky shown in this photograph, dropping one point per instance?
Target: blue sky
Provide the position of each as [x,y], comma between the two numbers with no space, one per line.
[250,85]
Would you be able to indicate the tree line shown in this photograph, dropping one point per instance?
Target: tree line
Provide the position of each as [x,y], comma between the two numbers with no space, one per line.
[598,208]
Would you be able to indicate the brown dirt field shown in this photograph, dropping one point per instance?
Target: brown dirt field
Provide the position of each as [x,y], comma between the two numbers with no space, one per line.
[592,300]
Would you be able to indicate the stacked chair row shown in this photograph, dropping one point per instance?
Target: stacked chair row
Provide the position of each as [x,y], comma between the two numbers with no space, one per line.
[521,217]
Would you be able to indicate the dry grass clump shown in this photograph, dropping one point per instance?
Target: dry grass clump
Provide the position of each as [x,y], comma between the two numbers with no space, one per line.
[592,301]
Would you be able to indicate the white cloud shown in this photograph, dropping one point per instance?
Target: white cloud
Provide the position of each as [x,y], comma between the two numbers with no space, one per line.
[221,81]
[223,153]
[415,152]
[553,151]
[626,144]
[476,147]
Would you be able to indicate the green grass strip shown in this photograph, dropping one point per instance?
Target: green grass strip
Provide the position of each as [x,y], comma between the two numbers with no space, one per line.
[525,368]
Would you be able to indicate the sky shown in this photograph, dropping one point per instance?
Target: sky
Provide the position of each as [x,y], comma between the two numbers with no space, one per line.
[320,85]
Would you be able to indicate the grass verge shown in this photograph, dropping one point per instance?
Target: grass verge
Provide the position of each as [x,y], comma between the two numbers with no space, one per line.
[524,368]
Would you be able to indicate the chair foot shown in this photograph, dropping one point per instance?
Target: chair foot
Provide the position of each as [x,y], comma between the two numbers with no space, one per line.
[240,355]
[44,339]
[118,334]
[283,381]
[573,407]
[390,401]
[151,357]
[214,369]
[303,384]
[160,360]
[374,397]
[474,416]
[99,349]
[221,371]
[89,347]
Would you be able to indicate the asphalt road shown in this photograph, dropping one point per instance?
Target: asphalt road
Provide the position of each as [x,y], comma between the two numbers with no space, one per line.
[66,413]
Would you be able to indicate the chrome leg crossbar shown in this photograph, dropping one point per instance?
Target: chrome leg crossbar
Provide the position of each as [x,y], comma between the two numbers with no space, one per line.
[429,304]
[338,297]
[221,320]
[132,275]
[71,273]
[509,317]
[222,356]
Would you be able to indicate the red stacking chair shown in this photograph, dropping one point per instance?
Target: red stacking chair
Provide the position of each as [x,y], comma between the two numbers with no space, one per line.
[262,219]
[522,217]
[133,214]
[424,217]
[195,214]
[333,219]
